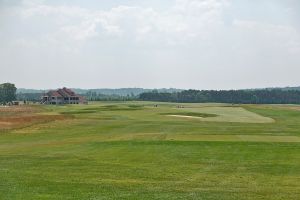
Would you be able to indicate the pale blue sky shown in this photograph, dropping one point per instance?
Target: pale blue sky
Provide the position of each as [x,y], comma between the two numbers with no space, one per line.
[201,44]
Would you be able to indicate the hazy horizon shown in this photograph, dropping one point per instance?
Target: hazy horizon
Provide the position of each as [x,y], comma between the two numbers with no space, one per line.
[95,88]
[185,44]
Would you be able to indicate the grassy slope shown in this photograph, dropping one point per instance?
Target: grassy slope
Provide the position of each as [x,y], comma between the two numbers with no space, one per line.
[75,159]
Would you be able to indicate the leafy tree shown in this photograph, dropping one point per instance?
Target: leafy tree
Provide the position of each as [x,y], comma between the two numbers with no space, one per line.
[7,92]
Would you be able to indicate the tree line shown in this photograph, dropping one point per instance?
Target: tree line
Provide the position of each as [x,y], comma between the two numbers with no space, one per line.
[122,94]
[257,96]
[90,96]
[34,97]
[7,93]
[94,96]
[262,96]
[103,91]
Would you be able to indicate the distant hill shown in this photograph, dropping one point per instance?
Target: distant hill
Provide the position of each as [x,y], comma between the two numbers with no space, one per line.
[266,95]
[286,88]
[131,91]
[105,91]
[32,91]
[124,91]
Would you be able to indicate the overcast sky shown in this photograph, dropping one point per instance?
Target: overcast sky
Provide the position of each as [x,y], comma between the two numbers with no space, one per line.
[200,44]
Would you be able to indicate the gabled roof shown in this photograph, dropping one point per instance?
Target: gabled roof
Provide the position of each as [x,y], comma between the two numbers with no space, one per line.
[64,92]
[68,91]
[54,93]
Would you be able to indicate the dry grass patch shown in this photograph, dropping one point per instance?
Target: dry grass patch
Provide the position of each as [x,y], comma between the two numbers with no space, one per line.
[21,116]
[6,111]
[23,121]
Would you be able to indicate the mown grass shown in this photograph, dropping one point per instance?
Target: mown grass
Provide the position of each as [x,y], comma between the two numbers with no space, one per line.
[133,151]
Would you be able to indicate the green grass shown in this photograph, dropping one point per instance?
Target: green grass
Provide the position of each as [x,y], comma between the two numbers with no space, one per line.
[134,151]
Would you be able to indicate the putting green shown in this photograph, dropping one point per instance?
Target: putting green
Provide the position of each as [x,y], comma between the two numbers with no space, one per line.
[226,114]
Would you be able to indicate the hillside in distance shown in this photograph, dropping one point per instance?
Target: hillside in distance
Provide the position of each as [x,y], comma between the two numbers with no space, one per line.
[258,96]
[104,91]
[130,91]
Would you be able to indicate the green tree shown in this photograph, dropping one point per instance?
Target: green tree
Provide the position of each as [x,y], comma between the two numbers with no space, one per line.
[7,92]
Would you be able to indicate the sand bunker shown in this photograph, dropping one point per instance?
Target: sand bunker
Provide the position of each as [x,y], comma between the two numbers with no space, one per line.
[185,116]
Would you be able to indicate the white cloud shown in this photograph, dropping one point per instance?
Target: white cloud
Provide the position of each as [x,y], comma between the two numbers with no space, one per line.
[81,32]
[186,20]
[190,43]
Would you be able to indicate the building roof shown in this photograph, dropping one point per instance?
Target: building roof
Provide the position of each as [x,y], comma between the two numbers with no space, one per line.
[53,93]
[68,91]
[64,92]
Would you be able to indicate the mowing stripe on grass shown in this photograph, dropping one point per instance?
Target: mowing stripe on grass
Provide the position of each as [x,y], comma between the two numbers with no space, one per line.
[233,138]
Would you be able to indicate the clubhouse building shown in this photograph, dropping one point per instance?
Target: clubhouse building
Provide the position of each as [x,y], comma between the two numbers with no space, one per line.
[62,96]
